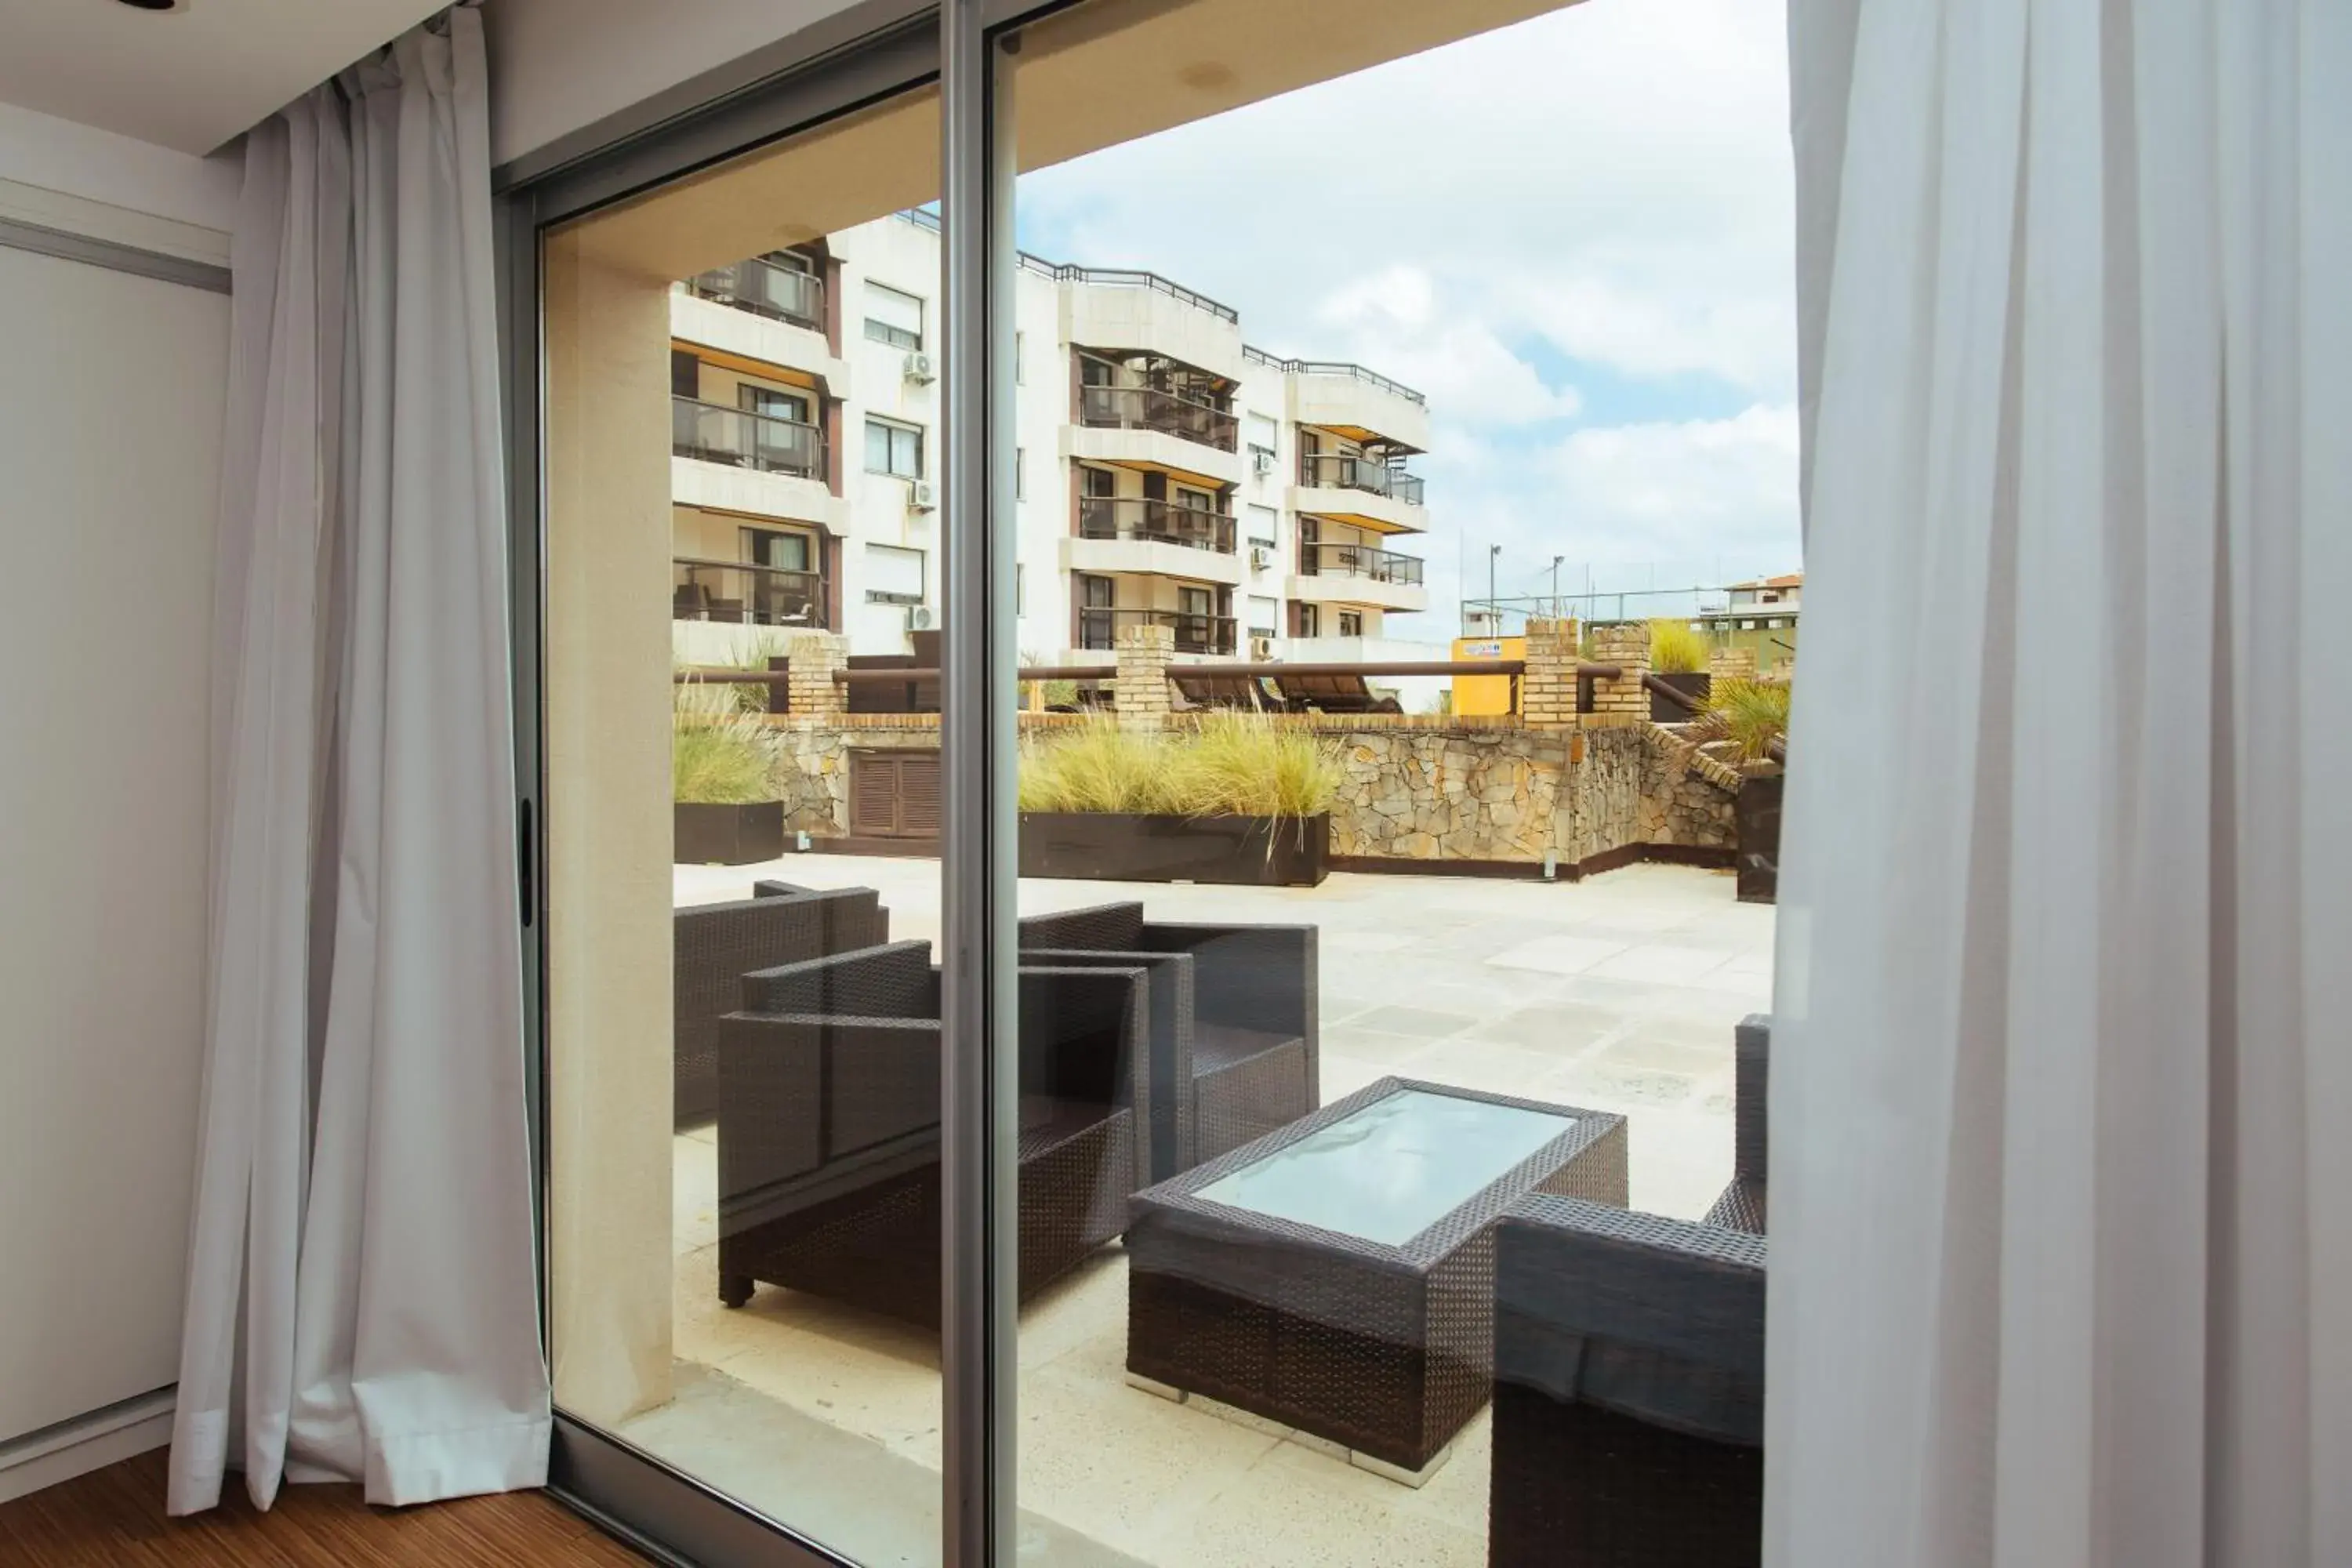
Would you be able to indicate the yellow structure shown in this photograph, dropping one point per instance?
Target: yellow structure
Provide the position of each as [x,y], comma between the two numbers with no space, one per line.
[1487,696]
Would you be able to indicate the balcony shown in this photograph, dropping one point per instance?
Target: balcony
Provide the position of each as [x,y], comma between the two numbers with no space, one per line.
[714,433]
[764,289]
[1154,522]
[1150,408]
[1098,627]
[1328,470]
[1360,561]
[1357,576]
[743,593]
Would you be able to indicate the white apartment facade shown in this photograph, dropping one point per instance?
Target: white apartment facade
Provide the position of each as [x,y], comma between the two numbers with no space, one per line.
[1168,474]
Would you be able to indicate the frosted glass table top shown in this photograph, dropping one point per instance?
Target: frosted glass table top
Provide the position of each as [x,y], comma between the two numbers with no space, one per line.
[1392,1170]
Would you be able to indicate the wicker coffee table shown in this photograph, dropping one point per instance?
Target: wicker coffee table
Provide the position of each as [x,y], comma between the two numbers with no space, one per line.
[1338,1277]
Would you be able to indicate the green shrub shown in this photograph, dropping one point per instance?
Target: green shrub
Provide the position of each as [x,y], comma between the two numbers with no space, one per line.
[1231,765]
[1675,648]
[718,755]
[1748,715]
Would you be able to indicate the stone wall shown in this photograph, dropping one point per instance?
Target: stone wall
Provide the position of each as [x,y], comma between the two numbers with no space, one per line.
[1463,792]
[1412,788]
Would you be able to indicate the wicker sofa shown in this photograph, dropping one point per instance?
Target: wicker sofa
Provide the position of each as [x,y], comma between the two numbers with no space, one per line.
[1629,1373]
[1236,1046]
[717,945]
[829,1134]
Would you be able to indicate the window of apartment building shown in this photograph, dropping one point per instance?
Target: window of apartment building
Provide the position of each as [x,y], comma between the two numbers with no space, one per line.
[893,318]
[772,403]
[1310,620]
[1351,622]
[1265,616]
[685,374]
[894,575]
[1100,484]
[787,551]
[1264,433]
[894,448]
[1020,473]
[1194,500]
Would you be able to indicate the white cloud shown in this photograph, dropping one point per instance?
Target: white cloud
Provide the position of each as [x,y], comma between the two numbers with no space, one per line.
[1679,490]
[1396,320]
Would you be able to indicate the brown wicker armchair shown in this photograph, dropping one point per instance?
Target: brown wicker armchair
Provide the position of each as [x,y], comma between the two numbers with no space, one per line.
[1629,1373]
[718,944]
[1741,1206]
[1235,1041]
[829,1134]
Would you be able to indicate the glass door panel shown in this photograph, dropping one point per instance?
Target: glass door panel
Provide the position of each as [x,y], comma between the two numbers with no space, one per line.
[1339,979]
[744,1051]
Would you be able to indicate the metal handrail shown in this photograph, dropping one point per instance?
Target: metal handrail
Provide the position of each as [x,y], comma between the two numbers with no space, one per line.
[1159,522]
[763,288]
[765,595]
[1194,633]
[1153,408]
[714,433]
[1332,367]
[1365,474]
[1362,561]
[1129,278]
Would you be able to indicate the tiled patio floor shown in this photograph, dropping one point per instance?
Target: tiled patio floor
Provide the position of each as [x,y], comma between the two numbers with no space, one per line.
[1617,994]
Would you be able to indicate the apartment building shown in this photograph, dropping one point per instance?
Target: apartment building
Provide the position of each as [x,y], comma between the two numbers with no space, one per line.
[1167,473]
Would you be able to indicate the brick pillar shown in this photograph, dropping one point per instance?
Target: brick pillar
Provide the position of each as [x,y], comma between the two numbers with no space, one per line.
[810,685]
[1628,648]
[1141,684]
[1732,664]
[1547,697]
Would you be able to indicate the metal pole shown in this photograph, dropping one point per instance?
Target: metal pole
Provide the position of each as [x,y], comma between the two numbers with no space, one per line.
[1494,603]
[1555,587]
[980,692]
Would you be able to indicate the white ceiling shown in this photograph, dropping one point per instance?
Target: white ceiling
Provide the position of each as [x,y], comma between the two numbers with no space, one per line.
[191,78]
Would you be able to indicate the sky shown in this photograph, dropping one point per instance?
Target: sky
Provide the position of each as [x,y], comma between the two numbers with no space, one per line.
[1575,234]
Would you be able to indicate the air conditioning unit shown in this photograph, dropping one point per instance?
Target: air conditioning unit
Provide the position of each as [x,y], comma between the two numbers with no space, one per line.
[1261,558]
[921,618]
[1261,460]
[1261,648]
[919,368]
[921,495]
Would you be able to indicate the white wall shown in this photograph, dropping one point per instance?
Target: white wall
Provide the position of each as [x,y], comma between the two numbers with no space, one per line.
[108,460]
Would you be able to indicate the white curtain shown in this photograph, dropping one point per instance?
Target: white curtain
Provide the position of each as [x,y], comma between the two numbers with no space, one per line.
[362,1297]
[2061,1252]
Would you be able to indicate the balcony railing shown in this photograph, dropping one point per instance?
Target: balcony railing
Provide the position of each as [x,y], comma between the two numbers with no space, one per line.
[745,593]
[1332,367]
[1360,561]
[1154,522]
[1330,468]
[1099,627]
[766,290]
[741,438]
[1150,408]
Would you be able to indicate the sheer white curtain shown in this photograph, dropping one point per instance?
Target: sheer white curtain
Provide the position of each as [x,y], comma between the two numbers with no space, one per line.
[2061,1250]
[361,1299]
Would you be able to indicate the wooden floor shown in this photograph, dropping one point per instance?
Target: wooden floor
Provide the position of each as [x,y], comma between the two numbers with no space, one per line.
[114,1517]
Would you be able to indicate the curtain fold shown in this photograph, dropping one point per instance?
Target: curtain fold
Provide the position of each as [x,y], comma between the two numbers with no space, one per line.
[362,1299]
[2063,987]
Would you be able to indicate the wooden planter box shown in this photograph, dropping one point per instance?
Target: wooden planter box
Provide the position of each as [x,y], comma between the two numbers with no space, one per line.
[1664,710]
[702,834]
[1117,847]
[1757,811]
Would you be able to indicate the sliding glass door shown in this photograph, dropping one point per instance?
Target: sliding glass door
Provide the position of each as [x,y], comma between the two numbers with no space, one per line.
[944,1161]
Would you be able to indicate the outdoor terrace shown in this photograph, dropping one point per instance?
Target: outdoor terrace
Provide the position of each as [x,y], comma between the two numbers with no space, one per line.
[1618,993]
